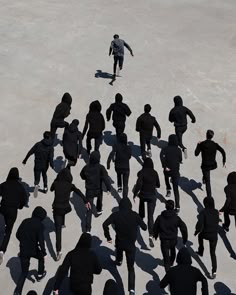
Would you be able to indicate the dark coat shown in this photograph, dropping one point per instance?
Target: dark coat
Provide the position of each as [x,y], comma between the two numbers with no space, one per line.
[119,111]
[63,109]
[145,124]
[230,192]
[110,288]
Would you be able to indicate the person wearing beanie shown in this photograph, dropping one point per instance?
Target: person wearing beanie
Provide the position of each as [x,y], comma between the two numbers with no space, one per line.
[145,189]
[14,197]
[126,223]
[183,278]
[61,112]
[229,207]
[178,116]
[95,124]
[119,112]
[72,143]
[207,229]
[117,50]
[63,187]
[94,174]
[208,149]
[166,228]
[110,288]
[120,155]
[32,245]
[171,158]
[43,152]
[82,263]
[144,125]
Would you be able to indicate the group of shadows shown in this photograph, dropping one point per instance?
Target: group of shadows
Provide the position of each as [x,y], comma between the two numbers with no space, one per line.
[146,262]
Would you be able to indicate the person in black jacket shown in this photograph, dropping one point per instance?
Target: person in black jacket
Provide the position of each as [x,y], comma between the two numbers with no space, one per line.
[32,245]
[121,154]
[166,228]
[63,187]
[171,158]
[208,149]
[207,229]
[96,124]
[72,143]
[110,288]
[119,111]
[183,278]
[178,115]
[126,223]
[145,188]
[83,263]
[43,156]
[61,112]
[144,125]
[229,207]
[94,175]
[14,197]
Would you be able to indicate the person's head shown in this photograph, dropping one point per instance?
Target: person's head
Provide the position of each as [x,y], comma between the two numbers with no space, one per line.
[173,140]
[110,287]
[231,179]
[178,101]
[116,36]
[148,163]
[95,106]
[13,174]
[39,213]
[184,257]
[94,157]
[65,175]
[209,134]
[209,203]
[170,205]
[118,97]
[31,293]
[47,135]
[75,122]
[125,204]
[85,241]
[66,98]
[147,108]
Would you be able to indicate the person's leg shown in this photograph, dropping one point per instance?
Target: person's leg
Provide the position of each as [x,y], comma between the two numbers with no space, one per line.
[37,173]
[179,131]
[165,249]
[88,218]
[130,258]
[45,178]
[53,129]
[141,208]
[151,205]
[98,142]
[226,221]
[58,220]
[125,184]
[167,180]
[115,64]
[119,180]
[200,245]
[172,252]
[119,255]
[207,180]
[99,202]
[142,146]
[213,244]
[121,62]
[88,144]
[25,263]
[10,218]
[175,183]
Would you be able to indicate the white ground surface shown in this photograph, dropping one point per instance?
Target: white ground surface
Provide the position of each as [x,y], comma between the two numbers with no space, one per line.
[184,47]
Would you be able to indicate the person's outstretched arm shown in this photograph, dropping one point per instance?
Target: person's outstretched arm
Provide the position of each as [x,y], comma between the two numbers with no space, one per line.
[158,128]
[222,151]
[109,112]
[127,110]
[85,126]
[165,281]
[105,225]
[190,114]
[138,124]
[203,280]
[97,268]
[129,48]
[200,224]
[62,272]
[111,48]
[141,223]
[198,149]
[30,153]
[184,231]
[111,157]
[105,178]
[156,228]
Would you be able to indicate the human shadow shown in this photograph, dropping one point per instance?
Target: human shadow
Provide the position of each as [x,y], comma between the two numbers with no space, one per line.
[159,143]
[136,152]
[57,141]
[49,227]
[227,242]
[14,267]
[105,75]
[109,138]
[80,209]
[58,164]
[222,289]
[64,288]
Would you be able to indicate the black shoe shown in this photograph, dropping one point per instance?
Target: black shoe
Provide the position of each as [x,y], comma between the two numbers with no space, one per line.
[225,227]
[168,193]
[212,276]
[177,210]
[151,244]
[41,276]
[119,263]
[119,189]
[45,189]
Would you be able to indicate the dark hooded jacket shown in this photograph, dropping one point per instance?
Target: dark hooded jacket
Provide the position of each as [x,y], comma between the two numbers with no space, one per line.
[94,120]
[72,141]
[94,174]
[179,113]
[171,156]
[82,262]
[126,223]
[110,288]
[119,111]
[183,278]
[63,109]
[230,192]
[63,187]
[145,124]
[208,220]
[12,191]
[31,234]
[148,181]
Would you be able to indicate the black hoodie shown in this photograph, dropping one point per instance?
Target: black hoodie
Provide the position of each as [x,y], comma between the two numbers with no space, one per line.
[126,223]
[183,278]
[171,156]
[145,124]
[119,110]
[82,262]
[110,288]
[230,192]
[12,191]
[63,109]
[31,234]
[179,113]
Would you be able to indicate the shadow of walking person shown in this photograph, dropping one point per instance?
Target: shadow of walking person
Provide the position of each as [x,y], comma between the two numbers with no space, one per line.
[222,289]
[80,209]
[227,242]
[136,152]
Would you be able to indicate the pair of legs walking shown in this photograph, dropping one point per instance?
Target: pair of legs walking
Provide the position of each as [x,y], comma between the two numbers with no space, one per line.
[212,244]
[168,252]
[89,213]
[10,215]
[151,205]
[97,141]
[207,180]
[145,140]
[59,221]
[118,60]
[179,131]
[55,125]
[227,220]
[175,184]
[122,181]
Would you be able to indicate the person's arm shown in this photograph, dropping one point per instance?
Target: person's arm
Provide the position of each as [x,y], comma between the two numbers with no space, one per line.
[23,197]
[41,240]
[85,127]
[105,225]
[157,180]
[141,223]
[222,151]
[109,112]
[80,143]
[82,174]
[180,156]
[52,188]
[183,229]
[30,153]
[200,224]
[198,149]
[97,268]
[103,123]
[129,48]
[138,124]
[163,158]
[190,114]
[105,178]
[158,128]
[79,193]
[62,272]
[203,280]
[18,233]
[171,116]
[51,156]
[165,281]
[138,184]
[227,202]
[111,157]
[127,111]
[111,48]
[156,228]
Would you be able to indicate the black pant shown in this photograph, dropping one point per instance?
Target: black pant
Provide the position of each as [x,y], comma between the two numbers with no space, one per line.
[151,205]
[59,221]
[227,219]
[98,142]
[25,263]
[145,140]
[82,289]
[89,213]
[123,178]
[175,184]
[120,60]
[207,179]
[10,215]
[213,243]
[130,259]
[37,174]
[55,125]
[119,126]
[168,252]
[179,131]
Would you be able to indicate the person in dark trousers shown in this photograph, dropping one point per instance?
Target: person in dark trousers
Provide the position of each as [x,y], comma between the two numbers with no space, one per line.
[43,152]
[63,187]
[32,245]
[121,154]
[208,149]
[178,116]
[83,263]
[183,278]
[166,228]
[126,223]
[117,50]
[144,125]
[145,189]
[171,158]
[119,112]
[229,207]
[61,112]
[95,124]
[207,229]
[94,175]
[14,197]
[72,143]
[110,288]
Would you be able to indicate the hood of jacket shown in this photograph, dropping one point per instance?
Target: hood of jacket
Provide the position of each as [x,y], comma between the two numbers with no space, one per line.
[13,174]
[65,175]
[184,257]
[110,288]
[231,179]
[118,97]
[173,140]
[123,138]
[47,141]
[84,242]
[66,98]
[39,213]
[73,127]
[148,164]
[125,204]
[168,213]
[94,157]
[178,101]
[95,106]
[209,203]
